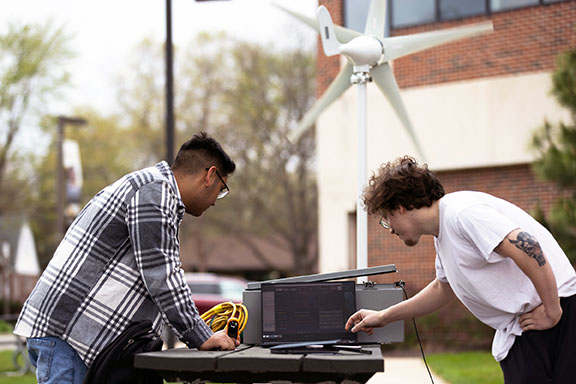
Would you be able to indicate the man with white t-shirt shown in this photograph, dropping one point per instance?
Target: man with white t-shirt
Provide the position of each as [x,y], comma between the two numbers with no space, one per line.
[503,265]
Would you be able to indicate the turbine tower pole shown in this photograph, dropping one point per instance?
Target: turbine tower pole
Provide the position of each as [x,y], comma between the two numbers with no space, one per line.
[368,57]
[360,77]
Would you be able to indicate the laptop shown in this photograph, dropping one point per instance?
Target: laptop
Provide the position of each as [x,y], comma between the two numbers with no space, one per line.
[307,313]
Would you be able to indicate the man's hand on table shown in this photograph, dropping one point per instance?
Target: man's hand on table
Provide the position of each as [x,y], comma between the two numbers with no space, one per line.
[220,341]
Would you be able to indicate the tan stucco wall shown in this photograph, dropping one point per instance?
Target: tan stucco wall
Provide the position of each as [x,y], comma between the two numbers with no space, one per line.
[477,123]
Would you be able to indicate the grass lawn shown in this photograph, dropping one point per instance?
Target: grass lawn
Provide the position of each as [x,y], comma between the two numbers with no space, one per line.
[6,365]
[466,368]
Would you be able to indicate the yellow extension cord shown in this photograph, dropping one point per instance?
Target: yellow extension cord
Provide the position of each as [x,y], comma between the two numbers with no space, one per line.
[218,316]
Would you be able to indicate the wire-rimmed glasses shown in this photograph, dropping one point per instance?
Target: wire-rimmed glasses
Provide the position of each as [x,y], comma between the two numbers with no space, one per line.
[384,223]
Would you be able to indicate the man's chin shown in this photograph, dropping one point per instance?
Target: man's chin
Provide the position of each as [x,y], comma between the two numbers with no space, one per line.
[194,213]
[411,243]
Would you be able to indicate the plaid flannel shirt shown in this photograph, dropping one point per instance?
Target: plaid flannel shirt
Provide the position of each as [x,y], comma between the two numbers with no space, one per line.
[119,262]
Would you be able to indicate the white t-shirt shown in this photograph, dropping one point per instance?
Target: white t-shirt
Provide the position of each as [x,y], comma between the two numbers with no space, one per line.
[492,287]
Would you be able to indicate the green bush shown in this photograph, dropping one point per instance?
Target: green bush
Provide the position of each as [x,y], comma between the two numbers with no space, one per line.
[452,329]
[6,327]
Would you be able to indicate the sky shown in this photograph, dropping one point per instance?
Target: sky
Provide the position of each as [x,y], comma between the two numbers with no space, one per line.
[104,32]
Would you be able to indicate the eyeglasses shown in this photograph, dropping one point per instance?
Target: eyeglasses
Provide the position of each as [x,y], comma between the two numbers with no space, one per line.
[384,223]
[225,191]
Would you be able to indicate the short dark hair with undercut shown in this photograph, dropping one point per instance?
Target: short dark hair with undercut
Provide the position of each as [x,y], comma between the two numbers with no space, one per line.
[201,152]
[402,183]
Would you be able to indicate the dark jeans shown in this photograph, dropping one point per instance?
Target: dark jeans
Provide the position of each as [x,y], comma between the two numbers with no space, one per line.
[541,357]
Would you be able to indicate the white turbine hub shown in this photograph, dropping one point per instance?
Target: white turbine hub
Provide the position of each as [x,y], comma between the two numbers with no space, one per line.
[363,50]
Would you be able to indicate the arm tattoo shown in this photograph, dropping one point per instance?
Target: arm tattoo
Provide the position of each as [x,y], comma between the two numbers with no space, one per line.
[528,243]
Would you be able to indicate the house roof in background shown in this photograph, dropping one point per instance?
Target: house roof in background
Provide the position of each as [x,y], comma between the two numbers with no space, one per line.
[233,253]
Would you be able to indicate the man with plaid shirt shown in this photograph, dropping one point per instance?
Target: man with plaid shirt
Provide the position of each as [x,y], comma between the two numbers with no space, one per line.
[119,262]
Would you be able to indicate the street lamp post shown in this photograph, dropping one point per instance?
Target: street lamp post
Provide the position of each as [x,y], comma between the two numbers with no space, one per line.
[169,115]
[169,86]
[60,182]
[170,105]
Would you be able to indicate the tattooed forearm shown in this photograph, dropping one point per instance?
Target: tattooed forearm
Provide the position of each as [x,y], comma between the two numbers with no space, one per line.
[528,243]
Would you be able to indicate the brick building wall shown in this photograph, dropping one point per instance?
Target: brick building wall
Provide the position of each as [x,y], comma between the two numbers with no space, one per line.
[327,67]
[524,40]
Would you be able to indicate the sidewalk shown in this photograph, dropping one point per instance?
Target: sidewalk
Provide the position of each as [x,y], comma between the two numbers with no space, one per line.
[405,370]
[7,341]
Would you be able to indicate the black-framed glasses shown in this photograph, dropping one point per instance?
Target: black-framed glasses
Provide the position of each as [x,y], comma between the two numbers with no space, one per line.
[384,223]
[225,191]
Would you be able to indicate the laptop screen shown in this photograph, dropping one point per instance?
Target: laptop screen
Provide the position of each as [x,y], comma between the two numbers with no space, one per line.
[302,312]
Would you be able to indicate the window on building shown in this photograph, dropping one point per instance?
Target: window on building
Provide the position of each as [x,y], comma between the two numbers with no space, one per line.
[457,9]
[406,13]
[355,13]
[503,5]
[411,12]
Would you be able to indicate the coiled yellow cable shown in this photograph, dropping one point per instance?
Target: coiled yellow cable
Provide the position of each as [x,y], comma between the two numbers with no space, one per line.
[218,316]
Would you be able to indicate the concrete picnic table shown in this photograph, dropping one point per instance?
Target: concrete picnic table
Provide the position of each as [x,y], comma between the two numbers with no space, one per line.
[255,364]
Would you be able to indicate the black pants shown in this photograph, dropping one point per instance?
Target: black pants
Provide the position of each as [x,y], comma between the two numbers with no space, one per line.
[541,357]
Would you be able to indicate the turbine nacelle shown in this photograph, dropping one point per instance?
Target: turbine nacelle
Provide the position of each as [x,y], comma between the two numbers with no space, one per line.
[363,51]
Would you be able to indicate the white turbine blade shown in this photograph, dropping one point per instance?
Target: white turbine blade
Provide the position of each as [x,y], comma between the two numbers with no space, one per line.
[376,20]
[330,43]
[305,19]
[398,46]
[344,35]
[340,84]
[384,79]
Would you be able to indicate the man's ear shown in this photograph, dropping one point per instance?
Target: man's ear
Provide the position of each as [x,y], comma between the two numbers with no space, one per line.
[208,179]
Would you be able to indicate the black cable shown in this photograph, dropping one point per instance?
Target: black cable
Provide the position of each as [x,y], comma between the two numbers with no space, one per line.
[401,285]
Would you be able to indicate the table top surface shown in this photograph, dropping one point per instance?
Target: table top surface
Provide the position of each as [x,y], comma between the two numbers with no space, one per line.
[256,364]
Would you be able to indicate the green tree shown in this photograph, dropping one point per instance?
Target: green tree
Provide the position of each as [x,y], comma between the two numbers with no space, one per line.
[141,98]
[106,156]
[556,146]
[274,189]
[31,62]
[248,97]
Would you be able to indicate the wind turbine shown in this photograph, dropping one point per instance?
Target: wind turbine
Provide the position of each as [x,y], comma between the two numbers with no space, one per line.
[369,56]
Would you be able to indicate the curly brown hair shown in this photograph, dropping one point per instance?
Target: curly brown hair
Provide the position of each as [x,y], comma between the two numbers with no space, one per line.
[402,183]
